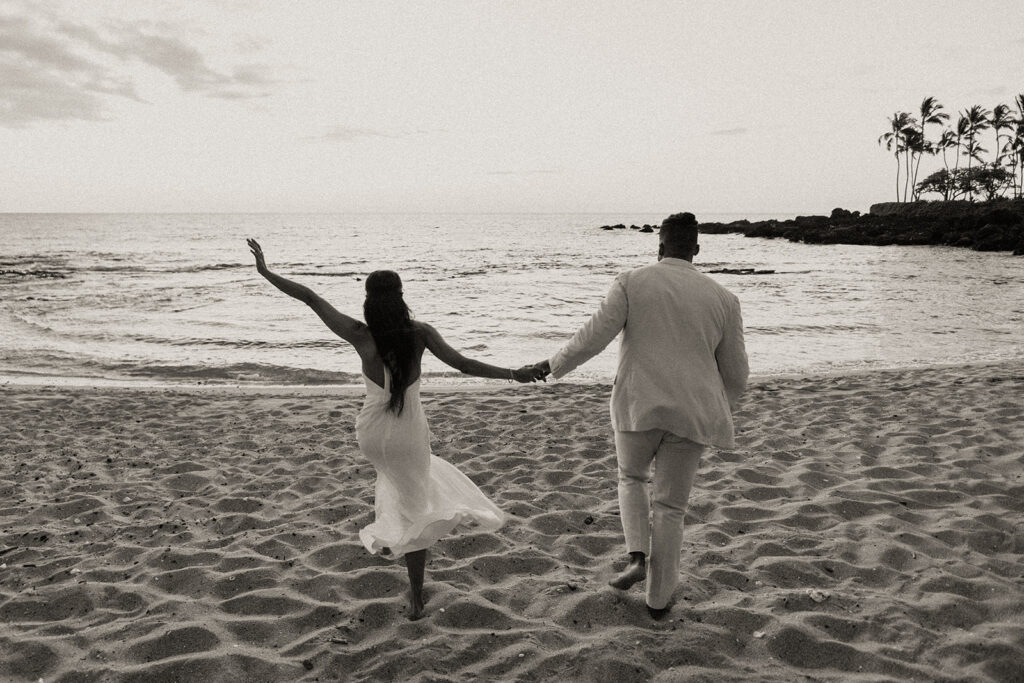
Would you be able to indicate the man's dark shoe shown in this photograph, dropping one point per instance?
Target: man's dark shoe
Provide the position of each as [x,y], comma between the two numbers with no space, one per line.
[659,614]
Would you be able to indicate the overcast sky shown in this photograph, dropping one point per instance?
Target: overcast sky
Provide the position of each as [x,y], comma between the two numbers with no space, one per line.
[534,106]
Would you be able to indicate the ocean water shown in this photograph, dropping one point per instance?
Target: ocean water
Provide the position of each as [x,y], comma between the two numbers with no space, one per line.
[175,298]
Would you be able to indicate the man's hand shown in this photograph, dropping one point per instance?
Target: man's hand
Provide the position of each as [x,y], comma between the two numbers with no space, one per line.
[544,368]
[532,373]
[529,373]
[257,251]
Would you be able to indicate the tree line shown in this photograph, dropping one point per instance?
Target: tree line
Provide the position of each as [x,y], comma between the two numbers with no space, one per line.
[966,174]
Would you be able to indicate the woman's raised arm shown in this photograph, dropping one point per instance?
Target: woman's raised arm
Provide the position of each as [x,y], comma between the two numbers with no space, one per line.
[349,329]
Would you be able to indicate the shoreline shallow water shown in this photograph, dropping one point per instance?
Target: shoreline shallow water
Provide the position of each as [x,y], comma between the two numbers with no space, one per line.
[176,299]
[863,528]
[454,384]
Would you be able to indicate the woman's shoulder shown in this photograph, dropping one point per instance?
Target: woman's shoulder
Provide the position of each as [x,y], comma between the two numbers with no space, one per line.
[423,329]
[423,333]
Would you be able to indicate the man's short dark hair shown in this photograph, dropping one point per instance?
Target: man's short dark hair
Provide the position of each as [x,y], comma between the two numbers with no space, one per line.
[679,231]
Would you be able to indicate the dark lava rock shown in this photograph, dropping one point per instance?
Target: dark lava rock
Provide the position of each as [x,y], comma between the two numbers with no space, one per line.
[983,226]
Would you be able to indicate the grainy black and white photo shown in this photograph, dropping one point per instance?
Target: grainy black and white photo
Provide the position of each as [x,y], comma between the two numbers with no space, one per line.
[511,341]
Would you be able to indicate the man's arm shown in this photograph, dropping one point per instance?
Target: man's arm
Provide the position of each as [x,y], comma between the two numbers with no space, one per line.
[731,355]
[595,334]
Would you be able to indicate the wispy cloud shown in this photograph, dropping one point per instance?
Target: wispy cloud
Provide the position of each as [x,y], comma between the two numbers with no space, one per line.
[60,70]
[346,133]
[252,43]
[188,67]
[730,131]
[535,171]
[27,95]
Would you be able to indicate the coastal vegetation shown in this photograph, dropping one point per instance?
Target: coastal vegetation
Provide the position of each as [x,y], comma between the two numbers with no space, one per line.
[970,170]
[981,191]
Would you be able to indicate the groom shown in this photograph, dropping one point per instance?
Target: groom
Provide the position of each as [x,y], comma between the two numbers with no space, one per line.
[682,366]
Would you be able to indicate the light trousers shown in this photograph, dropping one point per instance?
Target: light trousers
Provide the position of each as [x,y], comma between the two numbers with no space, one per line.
[652,517]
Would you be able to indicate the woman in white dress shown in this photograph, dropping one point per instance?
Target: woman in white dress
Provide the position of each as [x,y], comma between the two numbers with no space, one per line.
[419,497]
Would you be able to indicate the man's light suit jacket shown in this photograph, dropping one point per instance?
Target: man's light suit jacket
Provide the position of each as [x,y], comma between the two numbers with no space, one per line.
[682,362]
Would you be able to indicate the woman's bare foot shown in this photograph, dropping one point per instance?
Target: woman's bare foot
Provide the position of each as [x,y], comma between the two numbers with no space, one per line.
[417,602]
[415,563]
[635,572]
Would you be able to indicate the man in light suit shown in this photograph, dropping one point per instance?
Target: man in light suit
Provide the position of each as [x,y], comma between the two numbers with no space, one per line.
[682,366]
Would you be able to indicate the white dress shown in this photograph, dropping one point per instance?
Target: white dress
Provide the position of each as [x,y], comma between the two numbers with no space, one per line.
[419,498]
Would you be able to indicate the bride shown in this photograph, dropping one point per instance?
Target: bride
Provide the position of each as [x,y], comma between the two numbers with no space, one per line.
[419,497]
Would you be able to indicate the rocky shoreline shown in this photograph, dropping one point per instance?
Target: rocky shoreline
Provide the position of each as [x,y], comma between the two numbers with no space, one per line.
[622,226]
[982,226]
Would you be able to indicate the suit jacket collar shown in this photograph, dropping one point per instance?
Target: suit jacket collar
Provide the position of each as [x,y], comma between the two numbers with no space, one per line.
[676,262]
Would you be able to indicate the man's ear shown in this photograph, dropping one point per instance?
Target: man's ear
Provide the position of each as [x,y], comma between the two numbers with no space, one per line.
[661,249]
[696,249]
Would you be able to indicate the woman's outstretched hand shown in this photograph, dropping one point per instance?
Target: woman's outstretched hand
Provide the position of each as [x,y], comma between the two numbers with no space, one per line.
[257,251]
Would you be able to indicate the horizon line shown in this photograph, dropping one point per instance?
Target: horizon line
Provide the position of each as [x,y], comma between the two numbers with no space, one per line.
[389,213]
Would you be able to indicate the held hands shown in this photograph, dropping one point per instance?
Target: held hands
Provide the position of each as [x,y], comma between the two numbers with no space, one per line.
[257,251]
[532,373]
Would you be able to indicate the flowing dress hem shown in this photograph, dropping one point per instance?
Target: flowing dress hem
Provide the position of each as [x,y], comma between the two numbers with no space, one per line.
[425,533]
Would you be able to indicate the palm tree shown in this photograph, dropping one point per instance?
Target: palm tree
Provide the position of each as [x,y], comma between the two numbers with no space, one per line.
[962,127]
[931,112]
[1016,145]
[916,146]
[977,121]
[1015,150]
[948,140]
[894,141]
[1000,119]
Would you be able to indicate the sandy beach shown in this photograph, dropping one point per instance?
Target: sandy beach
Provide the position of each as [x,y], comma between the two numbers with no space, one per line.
[867,527]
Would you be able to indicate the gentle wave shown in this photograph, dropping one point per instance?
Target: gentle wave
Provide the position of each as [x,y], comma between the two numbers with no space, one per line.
[256,373]
[788,329]
[202,268]
[322,273]
[244,374]
[235,373]
[240,343]
[32,260]
[179,269]
[10,275]
[54,266]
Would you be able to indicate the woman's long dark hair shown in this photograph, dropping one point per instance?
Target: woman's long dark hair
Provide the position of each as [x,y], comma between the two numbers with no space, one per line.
[391,327]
